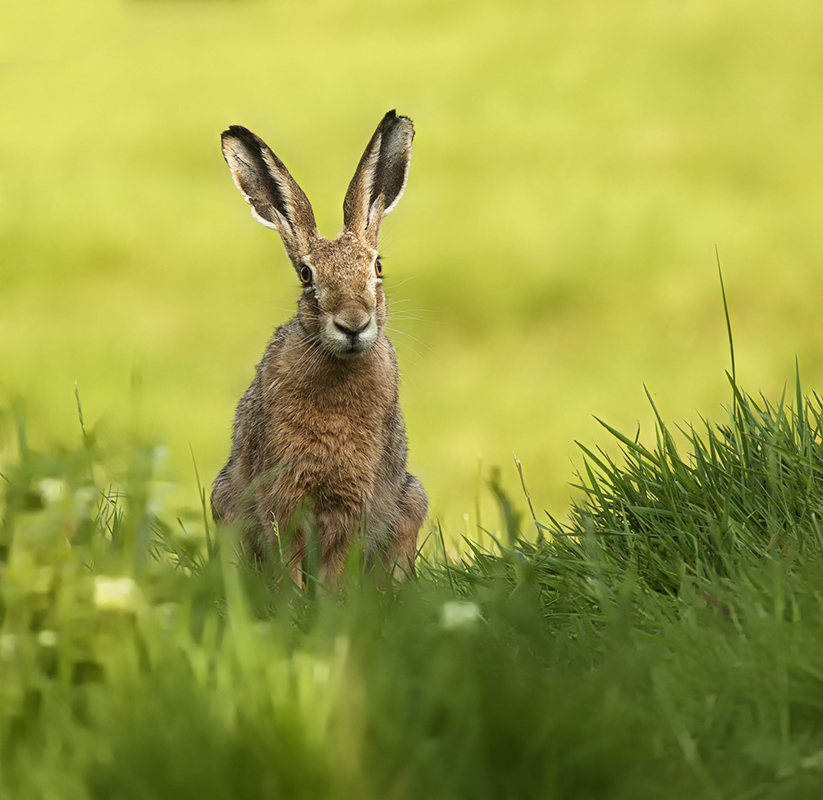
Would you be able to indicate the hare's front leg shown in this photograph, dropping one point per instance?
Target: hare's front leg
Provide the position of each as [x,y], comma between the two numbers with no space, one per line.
[228,510]
[399,554]
[220,496]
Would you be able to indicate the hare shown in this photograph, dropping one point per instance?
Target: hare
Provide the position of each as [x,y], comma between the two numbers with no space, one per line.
[319,444]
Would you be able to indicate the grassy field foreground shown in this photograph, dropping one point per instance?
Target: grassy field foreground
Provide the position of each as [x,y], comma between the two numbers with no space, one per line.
[667,641]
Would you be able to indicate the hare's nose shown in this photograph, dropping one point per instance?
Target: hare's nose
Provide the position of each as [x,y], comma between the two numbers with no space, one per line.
[352,325]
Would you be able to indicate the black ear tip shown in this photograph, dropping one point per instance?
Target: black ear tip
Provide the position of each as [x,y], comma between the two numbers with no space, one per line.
[235,130]
[237,134]
[392,118]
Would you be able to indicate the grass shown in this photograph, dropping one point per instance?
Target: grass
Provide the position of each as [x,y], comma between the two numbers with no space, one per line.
[665,640]
[574,166]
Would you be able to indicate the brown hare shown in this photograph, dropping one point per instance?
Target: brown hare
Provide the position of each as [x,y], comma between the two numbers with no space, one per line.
[319,443]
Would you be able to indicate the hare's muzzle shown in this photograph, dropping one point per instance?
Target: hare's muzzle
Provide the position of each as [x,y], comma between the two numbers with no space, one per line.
[351,332]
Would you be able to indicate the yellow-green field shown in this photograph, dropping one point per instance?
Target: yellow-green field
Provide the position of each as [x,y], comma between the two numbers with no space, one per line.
[575,165]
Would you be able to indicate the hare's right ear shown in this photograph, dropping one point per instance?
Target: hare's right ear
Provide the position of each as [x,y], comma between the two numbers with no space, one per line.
[274,196]
[380,178]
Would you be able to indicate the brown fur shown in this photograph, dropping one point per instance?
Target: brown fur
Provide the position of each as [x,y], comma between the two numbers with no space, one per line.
[318,437]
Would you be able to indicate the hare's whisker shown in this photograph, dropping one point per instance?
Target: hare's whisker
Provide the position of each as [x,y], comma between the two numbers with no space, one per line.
[409,336]
[405,280]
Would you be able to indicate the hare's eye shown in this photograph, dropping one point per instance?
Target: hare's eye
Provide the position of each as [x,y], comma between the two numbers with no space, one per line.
[305,275]
[378,268]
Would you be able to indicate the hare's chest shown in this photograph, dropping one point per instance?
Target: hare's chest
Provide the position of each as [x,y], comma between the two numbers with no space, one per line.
[330,437]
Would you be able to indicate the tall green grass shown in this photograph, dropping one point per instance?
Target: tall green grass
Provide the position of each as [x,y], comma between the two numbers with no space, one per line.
[665,641]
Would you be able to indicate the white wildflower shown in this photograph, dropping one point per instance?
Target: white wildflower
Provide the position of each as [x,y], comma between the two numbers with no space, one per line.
[115,594]
[84,498]
[52,489]
[455,614]
[47,638]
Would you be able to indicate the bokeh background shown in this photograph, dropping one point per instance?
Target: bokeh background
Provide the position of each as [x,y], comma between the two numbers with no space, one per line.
[575,165]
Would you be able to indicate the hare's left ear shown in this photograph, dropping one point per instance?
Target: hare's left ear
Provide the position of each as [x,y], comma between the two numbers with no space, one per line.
[380,178]
[275,198]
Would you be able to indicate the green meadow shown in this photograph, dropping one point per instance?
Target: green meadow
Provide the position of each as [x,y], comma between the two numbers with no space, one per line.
[645,624]
[575,166]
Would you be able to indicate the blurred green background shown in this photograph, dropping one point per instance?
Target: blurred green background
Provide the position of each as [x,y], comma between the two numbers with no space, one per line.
[575,164]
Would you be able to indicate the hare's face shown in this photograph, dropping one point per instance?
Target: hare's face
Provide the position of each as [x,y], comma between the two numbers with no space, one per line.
[342,305]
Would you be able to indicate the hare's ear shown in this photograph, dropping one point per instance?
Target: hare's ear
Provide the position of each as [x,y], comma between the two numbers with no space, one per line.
[380,178]
[274,196]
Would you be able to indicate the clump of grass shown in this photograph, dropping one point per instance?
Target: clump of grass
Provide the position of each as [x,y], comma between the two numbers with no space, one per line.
[752,486]
[736,493]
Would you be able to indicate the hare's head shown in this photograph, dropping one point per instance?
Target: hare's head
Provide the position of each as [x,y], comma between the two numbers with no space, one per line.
[342,305]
